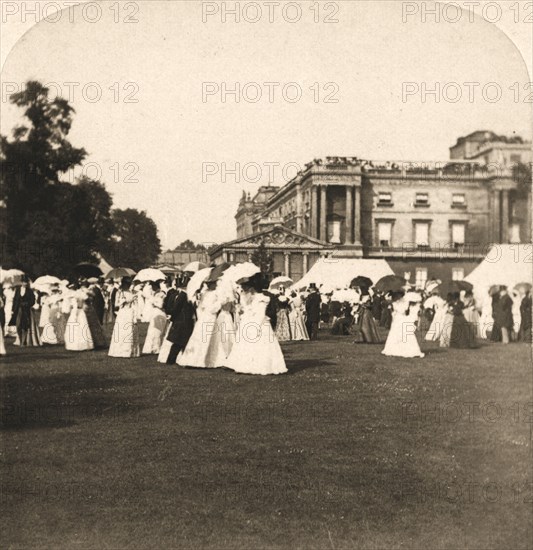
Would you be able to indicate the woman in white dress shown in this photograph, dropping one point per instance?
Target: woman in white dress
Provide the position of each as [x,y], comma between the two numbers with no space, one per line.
[438,305]
[77,334]
[157,325]
[256,349]
[223,337]
[9,294]
[401,341]
[49,307]
[296,318]
[195,352]
[125,338]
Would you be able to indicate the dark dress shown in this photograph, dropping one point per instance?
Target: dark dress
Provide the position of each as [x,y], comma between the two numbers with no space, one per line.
[272,309]
[525,319]
[312,310]
[342,324]
[98,303]
[386,314]
[367,324]
[182,317]
[23,317]
[502,312]
[93,320]
[462,335]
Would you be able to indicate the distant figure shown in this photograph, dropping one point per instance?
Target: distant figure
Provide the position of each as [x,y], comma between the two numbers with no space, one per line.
[524,334]
[312,309]
[503,316]
[23,316]
[401,341]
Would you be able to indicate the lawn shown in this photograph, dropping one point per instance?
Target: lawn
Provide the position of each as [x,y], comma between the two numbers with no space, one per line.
[350,449]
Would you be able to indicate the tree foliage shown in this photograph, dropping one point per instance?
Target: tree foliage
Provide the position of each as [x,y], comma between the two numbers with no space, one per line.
[52,225]
[263,258]
[137,244]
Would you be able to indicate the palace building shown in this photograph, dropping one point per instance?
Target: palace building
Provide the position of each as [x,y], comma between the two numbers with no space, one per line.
[426,219]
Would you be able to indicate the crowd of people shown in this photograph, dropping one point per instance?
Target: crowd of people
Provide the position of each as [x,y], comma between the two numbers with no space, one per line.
[216,320]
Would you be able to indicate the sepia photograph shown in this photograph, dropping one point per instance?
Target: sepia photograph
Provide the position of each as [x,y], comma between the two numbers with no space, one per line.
[266,275]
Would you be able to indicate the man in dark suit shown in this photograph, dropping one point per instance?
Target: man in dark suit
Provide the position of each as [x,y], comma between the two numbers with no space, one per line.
[312,309]
[503,315]
[182,318]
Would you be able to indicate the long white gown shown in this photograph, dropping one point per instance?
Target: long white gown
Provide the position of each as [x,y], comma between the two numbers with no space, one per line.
[401,341]
[157,326]
[195,353]
[125,338]
[48,335]
[77,334]
[435,329]
[296,320]
[256,349]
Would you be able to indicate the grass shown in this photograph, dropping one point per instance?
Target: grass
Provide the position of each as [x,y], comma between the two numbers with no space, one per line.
[350,449]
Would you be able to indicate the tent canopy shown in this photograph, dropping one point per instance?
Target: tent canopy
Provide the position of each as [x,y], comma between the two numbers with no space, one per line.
[334,273]
[504,264]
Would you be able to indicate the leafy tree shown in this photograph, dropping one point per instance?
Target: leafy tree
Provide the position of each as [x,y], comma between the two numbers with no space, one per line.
[263,258]
[136,241]
[186,245]
[50,225]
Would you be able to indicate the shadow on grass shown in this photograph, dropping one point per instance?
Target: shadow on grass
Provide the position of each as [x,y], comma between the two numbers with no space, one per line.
[60,401]
[297,365]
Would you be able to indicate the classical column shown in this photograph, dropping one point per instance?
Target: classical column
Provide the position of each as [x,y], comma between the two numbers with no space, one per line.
[299,209]
[305,256]
[349,215]
[357,224]
[323,211]
[496,218]
[505,216]
[287,263]
[314,211]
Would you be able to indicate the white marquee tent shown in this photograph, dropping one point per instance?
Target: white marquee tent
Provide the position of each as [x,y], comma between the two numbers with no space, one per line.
[332,273]
[504,264]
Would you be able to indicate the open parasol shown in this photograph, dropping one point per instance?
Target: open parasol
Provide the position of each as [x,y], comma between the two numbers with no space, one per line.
[119,272]
[452,287]
[362,282]
[390,283]
[193,267]
[523,287]
[196,281]
[217,272]
[11,276]
[150,274]
[280,281]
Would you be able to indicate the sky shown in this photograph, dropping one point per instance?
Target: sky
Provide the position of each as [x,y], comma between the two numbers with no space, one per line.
[164,138]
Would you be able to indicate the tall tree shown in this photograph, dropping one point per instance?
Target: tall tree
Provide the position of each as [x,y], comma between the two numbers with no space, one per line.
[263,258]
[136,241]
[30,167]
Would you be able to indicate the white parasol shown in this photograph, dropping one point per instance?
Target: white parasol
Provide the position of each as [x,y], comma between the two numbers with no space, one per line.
[196,281]
[150,274]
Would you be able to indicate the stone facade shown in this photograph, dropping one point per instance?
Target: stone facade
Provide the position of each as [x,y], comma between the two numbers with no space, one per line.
[437,219]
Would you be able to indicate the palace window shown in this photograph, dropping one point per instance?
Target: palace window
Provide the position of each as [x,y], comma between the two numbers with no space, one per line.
[384,199]
[458,200]
[422,234]
[385,234]
[458,273]
[422,199]
[334,231]
[421,277]
[458,234]
[514,233]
